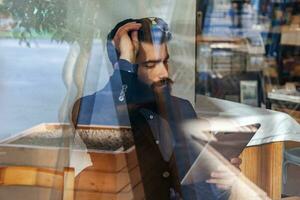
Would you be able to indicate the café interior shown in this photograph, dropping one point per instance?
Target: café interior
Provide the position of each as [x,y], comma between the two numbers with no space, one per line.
[236,61]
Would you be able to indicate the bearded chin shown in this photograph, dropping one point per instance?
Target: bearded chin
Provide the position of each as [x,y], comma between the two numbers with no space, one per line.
[162,96]
[162,90]
[154,95]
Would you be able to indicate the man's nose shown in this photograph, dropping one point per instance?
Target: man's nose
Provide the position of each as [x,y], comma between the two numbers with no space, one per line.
[163,70]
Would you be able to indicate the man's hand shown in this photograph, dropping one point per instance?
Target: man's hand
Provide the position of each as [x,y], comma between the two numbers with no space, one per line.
[236,162]
[127,45]
[224,178]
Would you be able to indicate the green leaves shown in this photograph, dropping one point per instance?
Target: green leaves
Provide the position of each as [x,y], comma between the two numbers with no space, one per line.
[39,16]
[61,20]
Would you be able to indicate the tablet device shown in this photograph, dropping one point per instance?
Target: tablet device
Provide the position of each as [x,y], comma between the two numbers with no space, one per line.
[214,154]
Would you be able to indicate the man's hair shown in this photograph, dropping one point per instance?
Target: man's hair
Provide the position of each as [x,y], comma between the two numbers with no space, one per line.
[153,30]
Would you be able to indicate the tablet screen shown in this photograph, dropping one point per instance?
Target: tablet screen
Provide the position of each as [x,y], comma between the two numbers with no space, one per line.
[226,145]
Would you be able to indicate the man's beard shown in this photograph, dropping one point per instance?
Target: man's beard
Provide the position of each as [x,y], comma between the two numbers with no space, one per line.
[162,95]
[144,95]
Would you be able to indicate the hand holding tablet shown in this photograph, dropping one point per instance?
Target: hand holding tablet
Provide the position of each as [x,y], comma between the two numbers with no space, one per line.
[216,151]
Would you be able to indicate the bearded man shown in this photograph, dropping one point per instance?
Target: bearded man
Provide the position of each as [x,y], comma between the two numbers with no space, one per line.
[139,95]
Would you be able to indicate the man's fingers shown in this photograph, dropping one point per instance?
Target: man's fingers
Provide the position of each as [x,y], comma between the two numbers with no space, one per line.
[236,161]
[132,26]
[123,31]
[223,184]
[221,174]
[223,187]
[220,181]
[135,40]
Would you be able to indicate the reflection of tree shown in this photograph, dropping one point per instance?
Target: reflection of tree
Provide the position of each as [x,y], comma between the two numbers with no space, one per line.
[63,20]
[71,21]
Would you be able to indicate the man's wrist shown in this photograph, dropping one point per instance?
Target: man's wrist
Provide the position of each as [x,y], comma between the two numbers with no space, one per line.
[129,57]
[125,65]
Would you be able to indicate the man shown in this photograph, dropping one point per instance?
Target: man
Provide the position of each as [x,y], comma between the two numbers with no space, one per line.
[139,95]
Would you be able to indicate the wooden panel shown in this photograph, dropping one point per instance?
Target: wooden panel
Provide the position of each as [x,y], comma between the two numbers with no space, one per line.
[251,164]
[59,158]
[135,176]
[263,166]
[36,177]
[137,194]
[272,159]
[38,157]
[108,162]
[68,191]
[91,180]
[84,195]
[131,158]
[110,184]
[29,193]
[31,176]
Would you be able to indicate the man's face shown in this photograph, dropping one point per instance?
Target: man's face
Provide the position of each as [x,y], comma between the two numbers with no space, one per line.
[153,62]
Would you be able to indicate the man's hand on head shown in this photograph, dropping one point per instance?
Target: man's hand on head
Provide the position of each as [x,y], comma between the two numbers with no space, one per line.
[127,44]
